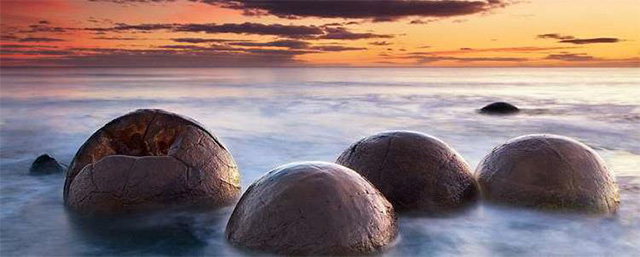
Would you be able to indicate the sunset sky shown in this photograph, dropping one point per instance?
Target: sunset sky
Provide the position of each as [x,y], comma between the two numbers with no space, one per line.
[213,33]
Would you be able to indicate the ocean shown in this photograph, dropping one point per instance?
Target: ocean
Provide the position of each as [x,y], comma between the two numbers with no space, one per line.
[272,116]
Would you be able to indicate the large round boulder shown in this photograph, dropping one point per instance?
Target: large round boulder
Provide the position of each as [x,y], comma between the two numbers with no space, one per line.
[416,172]
[147,160]
[548,172]
[312,208]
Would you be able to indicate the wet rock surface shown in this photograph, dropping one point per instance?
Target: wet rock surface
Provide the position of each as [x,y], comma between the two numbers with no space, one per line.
[416,172]
[150,159]
[45,164]
[499,108]
[548,172]
[312,208]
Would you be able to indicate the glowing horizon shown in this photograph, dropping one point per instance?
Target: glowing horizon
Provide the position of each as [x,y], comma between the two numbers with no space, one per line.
[288,33]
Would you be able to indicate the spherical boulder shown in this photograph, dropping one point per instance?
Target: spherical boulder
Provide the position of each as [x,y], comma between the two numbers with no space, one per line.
[312,208]
[548,172]
[148,160]
[499,108]
[416,172]
[45,164]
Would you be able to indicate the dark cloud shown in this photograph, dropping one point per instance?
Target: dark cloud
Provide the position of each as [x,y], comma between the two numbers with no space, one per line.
[9,37]
[34,52]
[25,46]
[467,50]
[40,39]
[296,47]
[118,38]
[555,36]
[111,57]
[293,31]
[43,27]
[337,48]
[376,10]
[278,51]
[144,27]
[598,40]
[44,22]
[335,24]
[202,48]
[292,44]
[341,33]
[578,41]
[380,43]
[279,30]
[422,21]
[383,19]
[429,59]
[253,28]
[99,21]
[339,24]
[570,57]
[203,40]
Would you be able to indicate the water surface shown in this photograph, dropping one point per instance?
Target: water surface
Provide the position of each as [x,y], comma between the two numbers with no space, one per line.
[268,117]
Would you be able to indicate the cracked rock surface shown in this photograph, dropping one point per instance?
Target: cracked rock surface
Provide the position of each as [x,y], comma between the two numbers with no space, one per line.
[312,208]
[548,172]
[415,171]
[147,160]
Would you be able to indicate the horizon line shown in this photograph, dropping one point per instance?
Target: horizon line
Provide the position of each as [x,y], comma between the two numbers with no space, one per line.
[307,66]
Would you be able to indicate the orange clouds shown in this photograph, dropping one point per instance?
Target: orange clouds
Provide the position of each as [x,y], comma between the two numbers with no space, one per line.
[285,33]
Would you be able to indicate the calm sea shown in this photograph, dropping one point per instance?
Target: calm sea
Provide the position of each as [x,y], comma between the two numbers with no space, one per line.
[269,117]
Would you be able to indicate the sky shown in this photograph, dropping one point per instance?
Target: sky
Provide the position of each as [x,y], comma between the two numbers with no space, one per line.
[294,33]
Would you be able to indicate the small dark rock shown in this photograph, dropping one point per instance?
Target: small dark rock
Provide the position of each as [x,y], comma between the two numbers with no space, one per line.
[45,164]
[416,172]
[312,208]
[548,172]
[499,108]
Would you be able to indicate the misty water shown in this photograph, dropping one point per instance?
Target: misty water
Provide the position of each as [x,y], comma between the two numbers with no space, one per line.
[269,117]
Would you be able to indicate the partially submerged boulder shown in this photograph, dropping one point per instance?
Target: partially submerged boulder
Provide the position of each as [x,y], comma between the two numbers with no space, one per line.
[415,171]
[45,164]
[312,208]
[548,172]
[499,108]
[150,159]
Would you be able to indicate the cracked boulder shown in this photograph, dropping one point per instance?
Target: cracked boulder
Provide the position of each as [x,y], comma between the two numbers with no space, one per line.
[415,171]
[149,160]
[312,208]
[548,172]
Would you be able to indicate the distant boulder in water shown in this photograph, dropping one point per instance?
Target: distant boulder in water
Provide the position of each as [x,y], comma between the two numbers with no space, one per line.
[499,108]
[45,164]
